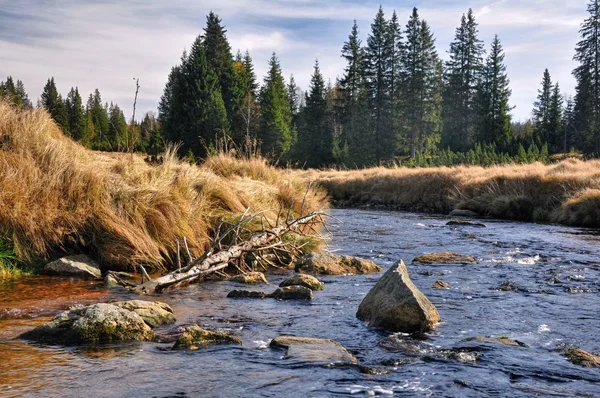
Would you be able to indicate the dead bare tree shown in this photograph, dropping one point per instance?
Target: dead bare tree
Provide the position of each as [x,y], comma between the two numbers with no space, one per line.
[269,246]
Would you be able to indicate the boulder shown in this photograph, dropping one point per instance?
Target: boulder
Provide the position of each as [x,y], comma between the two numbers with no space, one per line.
[314,350]
[463,223]
[251,278]
[395,304]
[463,213]
[80,266]
[583,358]
[498,340]
[110,281]
[441,285]
[330,264]
[247,294]
[195,337]
[292,293]
[303,280]
[444,258]
[153,313]
[96,323]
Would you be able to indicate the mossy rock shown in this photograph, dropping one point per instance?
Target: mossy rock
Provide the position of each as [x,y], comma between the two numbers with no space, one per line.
[292,293]
[444,258]
[303,280]
[582,358]
[153,313]
[194,337]
[441,285]
[247,294]
[498,340]
[251,278]
[330,264]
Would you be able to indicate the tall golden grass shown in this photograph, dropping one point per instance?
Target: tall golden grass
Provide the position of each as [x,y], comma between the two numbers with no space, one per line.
[58,197]
[567,192]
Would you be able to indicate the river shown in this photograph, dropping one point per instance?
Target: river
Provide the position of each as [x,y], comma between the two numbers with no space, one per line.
[551,280]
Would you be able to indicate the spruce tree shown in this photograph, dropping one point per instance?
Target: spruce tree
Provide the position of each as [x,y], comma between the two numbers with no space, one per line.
[15,93]
[76,114]
[275,134]
[422,83]
[555,139]
[315,137]
[494,94]
[541,111]
[117,128]
[378,56]
[220,59]
[99,120]
[395,48]
[462,77]
[54,104]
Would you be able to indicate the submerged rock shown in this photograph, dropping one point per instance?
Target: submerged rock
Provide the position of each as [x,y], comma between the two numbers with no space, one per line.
[93,324]
[153,313]
[330,264]
[499,340]
[251,278]
[444,258]
[314,350]
[463,223]
[582,358]
[463,213]
[441,285]
[79,265]
[292,293]
[247,294]
[195,337]
[303,280]
[395,304]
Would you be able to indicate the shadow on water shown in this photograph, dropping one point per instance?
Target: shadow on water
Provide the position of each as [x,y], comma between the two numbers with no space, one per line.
[534,283]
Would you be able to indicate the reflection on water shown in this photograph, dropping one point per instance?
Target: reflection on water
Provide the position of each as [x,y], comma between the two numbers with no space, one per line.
[545,272]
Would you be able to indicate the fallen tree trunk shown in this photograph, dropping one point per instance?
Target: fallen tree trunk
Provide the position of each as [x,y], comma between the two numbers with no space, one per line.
[209,262]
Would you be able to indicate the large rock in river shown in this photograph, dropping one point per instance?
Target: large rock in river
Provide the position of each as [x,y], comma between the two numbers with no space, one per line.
[314,350]
[153,313]
[582,358]
[292,293]
[330,264]
[79,265]
[395,304]
[96,323]
[195,337]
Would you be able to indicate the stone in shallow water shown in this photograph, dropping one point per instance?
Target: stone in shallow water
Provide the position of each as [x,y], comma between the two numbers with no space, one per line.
[583,358]
[195,337]
[463,213]
[463,223]
[292,293]
[441,285]
[153,313]
[247,294]
[79,265]
[397,305]
[444,258]
[303,280]
[314,350]
[498,340]
[251,278]
[96,323]
[330,264]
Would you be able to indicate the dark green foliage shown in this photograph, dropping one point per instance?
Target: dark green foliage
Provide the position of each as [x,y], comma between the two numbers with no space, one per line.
[462,77]
[15,93]
[54,104]
[76,114]
[494,93]
[117,128]
[97,128]
[276,133]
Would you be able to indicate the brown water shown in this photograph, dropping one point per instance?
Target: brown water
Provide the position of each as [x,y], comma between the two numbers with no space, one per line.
[554,272]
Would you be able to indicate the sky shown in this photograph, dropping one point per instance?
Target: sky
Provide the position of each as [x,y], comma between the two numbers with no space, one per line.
[105,44]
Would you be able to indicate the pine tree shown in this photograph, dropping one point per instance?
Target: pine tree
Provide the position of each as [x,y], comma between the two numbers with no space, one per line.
[555,121]
[76,114]
[170,105]
[494,94]
[315,136]
[462,77]
[378,68]
[220,59]
[275,133]
[569,132]
[15,93]
[587,74]
[117,129]
[395,48]
[54,104]
[99,121]
[422,83]
[541,111]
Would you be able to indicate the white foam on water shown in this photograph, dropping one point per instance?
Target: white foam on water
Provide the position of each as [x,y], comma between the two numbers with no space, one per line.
[261,344]
[543,328]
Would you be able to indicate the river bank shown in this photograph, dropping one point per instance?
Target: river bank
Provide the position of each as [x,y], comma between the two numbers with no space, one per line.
[565,193]
[58,198]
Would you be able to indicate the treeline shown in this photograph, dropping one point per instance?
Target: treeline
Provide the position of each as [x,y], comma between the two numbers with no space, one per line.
[397,102]
[95,124]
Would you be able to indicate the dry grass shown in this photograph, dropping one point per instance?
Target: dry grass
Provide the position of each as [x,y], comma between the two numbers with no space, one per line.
[567,192]
[57,197]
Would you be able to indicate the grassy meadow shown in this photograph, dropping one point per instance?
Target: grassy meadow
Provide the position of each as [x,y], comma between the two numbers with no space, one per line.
[567,192]
[57,198]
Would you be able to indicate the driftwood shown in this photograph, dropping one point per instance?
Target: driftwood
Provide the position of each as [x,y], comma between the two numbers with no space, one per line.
[221,255]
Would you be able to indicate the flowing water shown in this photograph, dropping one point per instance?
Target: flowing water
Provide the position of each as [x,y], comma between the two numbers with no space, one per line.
[538,284]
